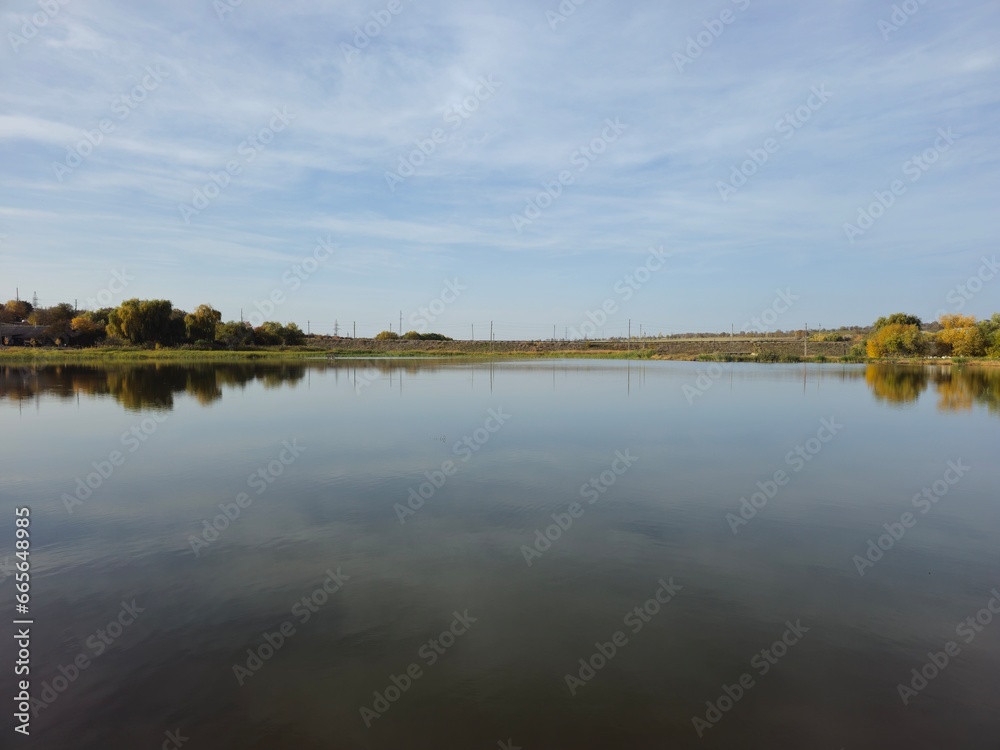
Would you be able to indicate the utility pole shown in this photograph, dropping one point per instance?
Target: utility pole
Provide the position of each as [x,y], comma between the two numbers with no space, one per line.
[805,343]
[241,316]
[355,330]
[308,331]
[336,328]
[553,331]
[473,333]
[628,349]
[491,337]
[400,322]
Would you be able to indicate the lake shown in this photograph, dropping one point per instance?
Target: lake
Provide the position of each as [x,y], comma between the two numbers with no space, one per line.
[516,554]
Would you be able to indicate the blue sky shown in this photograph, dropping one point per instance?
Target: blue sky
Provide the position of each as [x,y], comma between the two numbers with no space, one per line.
[829,102]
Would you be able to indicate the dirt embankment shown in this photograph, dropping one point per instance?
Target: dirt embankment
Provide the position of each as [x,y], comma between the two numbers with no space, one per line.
[670,348]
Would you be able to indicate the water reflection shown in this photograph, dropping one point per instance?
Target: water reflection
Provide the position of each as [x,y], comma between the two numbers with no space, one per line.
[958,388]
[139,387]
[896,385]
[154,386]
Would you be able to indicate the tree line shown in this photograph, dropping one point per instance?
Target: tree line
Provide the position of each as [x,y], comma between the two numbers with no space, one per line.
[148,322]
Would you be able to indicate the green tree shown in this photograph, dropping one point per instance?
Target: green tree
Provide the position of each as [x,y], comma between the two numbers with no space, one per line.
[233,334]
[50,316]
[271,333]
[990,331]
[152,321]
[386,336]
[200,324]
[898,319]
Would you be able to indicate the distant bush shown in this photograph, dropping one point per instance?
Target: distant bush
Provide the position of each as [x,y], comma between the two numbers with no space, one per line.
[414,336]
[386,336]
[727,358]
[832,337]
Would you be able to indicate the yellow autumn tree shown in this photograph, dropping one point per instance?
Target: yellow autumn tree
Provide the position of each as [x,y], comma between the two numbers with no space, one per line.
[896,340]
[961,337]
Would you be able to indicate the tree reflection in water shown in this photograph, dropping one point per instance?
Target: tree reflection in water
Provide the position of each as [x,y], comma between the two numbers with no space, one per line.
[958,388]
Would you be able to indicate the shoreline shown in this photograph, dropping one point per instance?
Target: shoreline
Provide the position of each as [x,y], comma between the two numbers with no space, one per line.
[660,351]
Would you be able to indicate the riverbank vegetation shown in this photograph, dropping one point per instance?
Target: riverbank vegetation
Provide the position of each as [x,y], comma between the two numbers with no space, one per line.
[155,329]
[901,335]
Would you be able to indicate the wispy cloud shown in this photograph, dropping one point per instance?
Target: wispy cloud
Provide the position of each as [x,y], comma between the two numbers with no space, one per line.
[357,115]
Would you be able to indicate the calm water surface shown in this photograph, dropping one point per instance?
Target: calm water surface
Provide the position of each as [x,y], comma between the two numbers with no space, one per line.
[268,561]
